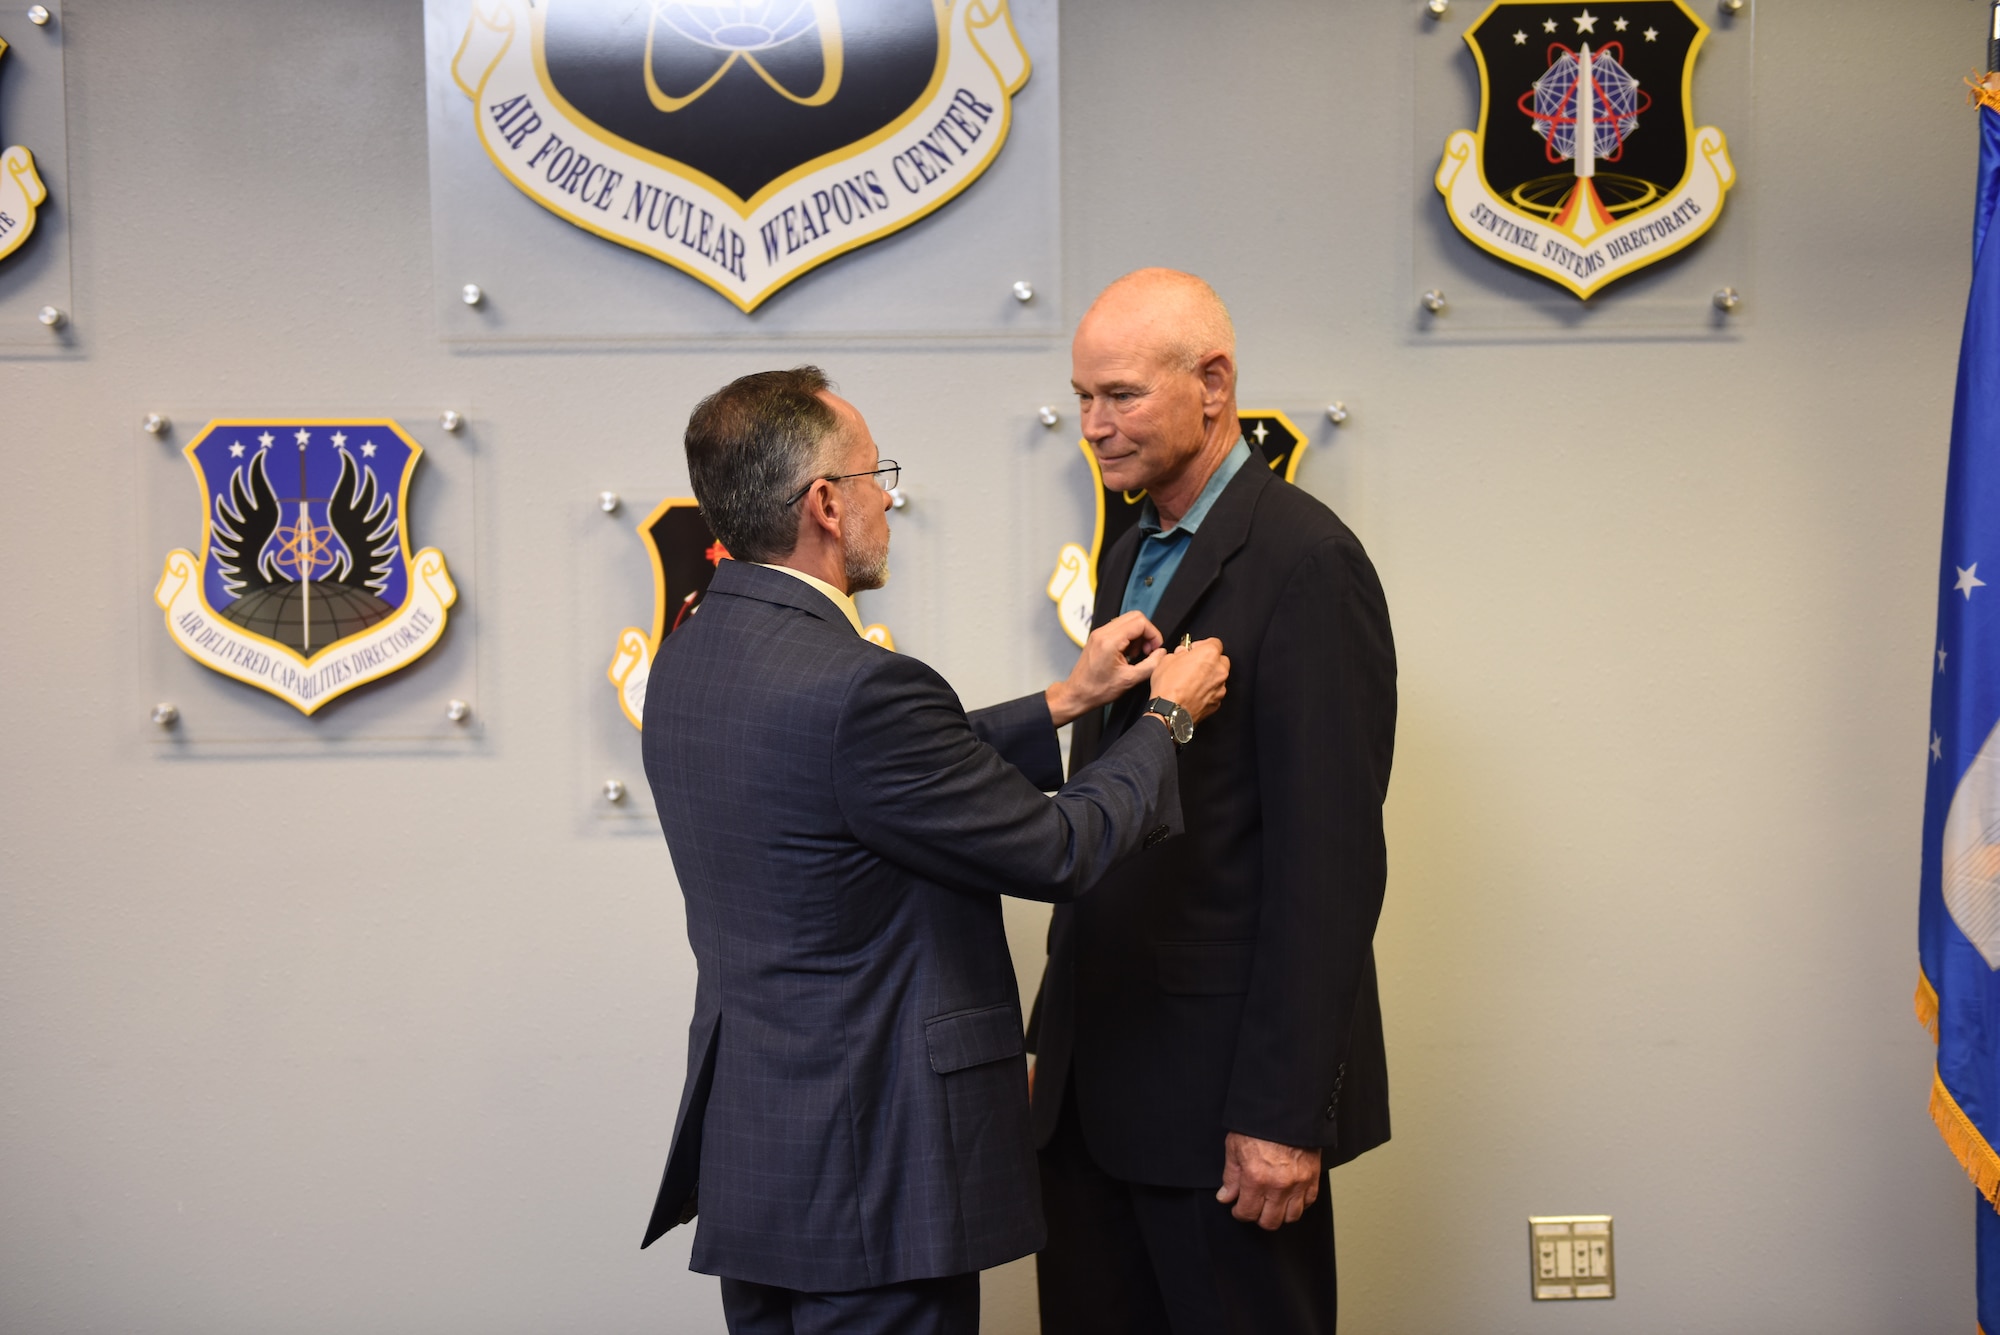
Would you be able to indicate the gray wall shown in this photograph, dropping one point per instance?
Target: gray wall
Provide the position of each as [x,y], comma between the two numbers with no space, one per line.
[1648,943]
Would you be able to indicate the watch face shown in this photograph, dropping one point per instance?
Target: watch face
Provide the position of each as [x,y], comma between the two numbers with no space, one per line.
[1179,722]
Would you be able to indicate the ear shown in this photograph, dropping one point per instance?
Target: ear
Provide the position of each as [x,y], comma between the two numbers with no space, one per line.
[822,510]
[1218,381]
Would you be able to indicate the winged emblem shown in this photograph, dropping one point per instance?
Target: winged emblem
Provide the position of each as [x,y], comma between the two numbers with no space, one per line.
[307,585]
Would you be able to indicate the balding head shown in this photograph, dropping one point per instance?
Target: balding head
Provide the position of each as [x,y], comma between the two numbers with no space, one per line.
[1175,315]
[1154,366]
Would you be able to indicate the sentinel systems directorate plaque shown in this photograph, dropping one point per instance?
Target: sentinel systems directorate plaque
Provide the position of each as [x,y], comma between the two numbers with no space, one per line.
[1587,164]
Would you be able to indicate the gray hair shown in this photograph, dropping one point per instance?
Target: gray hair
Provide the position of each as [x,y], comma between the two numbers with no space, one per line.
[750,446]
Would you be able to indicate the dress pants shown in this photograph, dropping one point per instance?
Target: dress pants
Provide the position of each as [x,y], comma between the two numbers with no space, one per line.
[946,1306]
[1125,1259]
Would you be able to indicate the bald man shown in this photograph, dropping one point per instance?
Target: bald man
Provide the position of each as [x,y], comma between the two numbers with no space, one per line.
[1208,1030]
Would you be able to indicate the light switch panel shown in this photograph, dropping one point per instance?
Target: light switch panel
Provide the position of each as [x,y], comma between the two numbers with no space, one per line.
[1569,1256]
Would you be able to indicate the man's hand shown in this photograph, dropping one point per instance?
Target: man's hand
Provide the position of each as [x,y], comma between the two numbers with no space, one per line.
[1271,1184]
[1103,671]
[1195,678]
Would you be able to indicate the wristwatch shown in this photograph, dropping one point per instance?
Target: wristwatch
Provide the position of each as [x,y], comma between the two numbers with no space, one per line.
[1179,722]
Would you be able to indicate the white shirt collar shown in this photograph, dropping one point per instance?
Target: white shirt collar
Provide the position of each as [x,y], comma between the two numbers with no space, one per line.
[839,599]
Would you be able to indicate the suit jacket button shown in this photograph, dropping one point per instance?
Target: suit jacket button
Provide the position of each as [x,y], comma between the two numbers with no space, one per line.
[1332,1109]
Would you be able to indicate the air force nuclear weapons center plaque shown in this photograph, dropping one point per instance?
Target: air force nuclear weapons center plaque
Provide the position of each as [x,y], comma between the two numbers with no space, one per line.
[743,143]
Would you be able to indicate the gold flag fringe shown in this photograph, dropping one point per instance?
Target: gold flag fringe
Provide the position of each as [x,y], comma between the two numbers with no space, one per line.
[1985,90]
[1977,1157]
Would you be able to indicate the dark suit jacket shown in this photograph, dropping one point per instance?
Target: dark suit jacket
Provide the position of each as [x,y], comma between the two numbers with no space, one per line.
[856,1105]
[1225,981]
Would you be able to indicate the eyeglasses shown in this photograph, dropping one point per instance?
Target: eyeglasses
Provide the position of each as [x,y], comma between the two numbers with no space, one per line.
[888,470]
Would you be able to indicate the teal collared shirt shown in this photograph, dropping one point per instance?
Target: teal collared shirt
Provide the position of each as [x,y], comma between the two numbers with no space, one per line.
[1160,553]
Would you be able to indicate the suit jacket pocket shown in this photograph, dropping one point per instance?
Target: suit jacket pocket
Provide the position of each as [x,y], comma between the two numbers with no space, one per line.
[974,1037]
[1204,968]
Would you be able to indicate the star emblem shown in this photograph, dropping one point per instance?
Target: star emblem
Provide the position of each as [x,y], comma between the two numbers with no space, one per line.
[1968,580]
[265,440]
[1621,24]
[368,449]
[302,435]
[1586,22]
[1940,659]
[236,450]
[1548,25]
[1652,34]
[339,439]
[1261,432]
[1520,39]
[1937,747]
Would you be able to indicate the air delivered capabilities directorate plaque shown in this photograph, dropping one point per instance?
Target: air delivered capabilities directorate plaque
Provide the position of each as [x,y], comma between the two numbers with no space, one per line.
[305,585]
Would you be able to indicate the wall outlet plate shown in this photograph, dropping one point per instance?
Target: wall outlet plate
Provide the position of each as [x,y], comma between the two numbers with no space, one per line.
[1569,1256]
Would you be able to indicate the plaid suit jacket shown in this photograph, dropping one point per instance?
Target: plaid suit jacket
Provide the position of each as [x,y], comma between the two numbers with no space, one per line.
[856,1104]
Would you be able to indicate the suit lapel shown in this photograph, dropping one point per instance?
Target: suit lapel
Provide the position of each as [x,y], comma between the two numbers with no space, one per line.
[1114,568]
[1221,534]
[1226,529]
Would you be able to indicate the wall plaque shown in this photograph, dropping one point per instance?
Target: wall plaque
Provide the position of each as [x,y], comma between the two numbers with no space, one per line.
[36,311]
[1274,438]
[1587,165]
[684,554]
[21,188]
[305,584]
[745,143]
